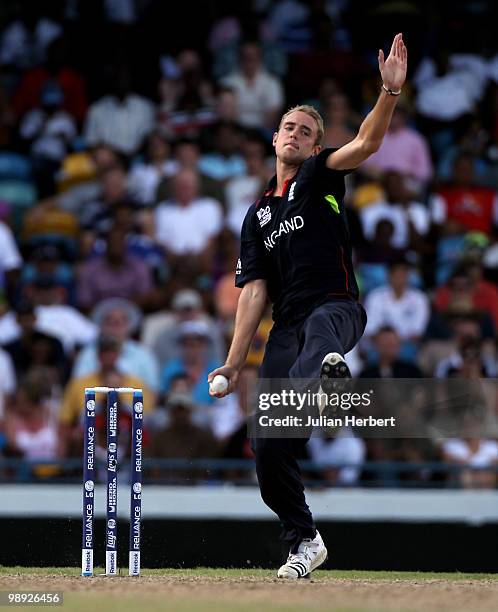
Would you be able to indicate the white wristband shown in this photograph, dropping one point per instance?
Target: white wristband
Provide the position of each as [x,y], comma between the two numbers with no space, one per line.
[390,92]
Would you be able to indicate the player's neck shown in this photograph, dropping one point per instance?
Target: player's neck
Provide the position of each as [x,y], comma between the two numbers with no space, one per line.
[284,174]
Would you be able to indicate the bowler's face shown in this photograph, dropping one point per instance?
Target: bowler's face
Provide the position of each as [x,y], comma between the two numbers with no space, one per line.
[296,138]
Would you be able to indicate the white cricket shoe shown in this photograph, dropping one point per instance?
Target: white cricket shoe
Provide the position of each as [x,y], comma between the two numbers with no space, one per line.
[310,555]
[334,368]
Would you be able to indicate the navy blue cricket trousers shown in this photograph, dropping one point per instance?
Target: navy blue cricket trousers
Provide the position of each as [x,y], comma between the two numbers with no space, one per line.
[297,351]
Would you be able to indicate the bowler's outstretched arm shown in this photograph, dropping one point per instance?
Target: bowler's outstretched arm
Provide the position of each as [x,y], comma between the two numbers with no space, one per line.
[374,127]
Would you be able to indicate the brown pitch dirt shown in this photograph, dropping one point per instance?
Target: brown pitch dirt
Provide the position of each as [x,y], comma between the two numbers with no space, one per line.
[189,593]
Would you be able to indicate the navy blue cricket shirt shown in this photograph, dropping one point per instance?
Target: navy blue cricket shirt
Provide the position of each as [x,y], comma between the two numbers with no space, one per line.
[299,242]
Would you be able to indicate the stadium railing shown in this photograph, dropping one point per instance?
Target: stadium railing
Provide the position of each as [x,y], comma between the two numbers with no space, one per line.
[387,474]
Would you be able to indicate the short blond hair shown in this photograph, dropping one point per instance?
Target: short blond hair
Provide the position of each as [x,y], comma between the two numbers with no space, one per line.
[313,113]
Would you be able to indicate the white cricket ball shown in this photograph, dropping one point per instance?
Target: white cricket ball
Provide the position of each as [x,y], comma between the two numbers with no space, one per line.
[218,384]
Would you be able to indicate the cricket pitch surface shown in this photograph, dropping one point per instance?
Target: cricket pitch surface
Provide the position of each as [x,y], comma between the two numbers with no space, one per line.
[240,590]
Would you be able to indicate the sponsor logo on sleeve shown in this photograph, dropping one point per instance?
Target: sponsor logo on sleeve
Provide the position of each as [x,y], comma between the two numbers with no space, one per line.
[333,203]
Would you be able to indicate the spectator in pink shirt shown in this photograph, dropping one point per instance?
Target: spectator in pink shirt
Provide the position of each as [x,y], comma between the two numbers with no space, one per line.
[405,150]
[114,274]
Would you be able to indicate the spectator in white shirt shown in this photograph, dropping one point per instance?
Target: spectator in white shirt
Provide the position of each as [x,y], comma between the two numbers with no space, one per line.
[187,225]
[10,258]
[410,219]
[260,94]
[144,178]
[473,451]
[339,458]
[449,86]
[7,380]
[121,119]
[56,318]
[397,305]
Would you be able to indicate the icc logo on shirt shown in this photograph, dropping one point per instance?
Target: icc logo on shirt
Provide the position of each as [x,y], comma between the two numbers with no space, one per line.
[264,215]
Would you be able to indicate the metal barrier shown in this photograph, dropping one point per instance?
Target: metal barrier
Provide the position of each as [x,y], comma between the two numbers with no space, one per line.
[389,474]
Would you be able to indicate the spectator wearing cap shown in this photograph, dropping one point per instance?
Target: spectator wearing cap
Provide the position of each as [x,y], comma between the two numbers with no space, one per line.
[187,227]
[182,438]
[193,339]
[106,373]
[36,348]
[404,308]
[120,319]
[117,273]
[160,330]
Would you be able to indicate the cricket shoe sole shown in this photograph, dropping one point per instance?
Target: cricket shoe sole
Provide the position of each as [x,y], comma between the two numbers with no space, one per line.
[333,376]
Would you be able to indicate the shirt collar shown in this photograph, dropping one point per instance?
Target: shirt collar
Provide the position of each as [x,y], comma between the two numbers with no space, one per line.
[272,183]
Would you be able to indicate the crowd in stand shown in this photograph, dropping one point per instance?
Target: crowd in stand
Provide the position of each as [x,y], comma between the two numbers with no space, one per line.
[126,170]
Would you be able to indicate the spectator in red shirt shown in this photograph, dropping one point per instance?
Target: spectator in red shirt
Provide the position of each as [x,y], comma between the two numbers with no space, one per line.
[467,287]
[28,95]
[462,206]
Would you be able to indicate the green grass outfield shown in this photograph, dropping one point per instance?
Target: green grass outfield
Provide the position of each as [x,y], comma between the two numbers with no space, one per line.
[201,572]
[246,590]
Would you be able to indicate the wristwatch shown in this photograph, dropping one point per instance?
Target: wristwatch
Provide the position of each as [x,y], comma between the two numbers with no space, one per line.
[389,91]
